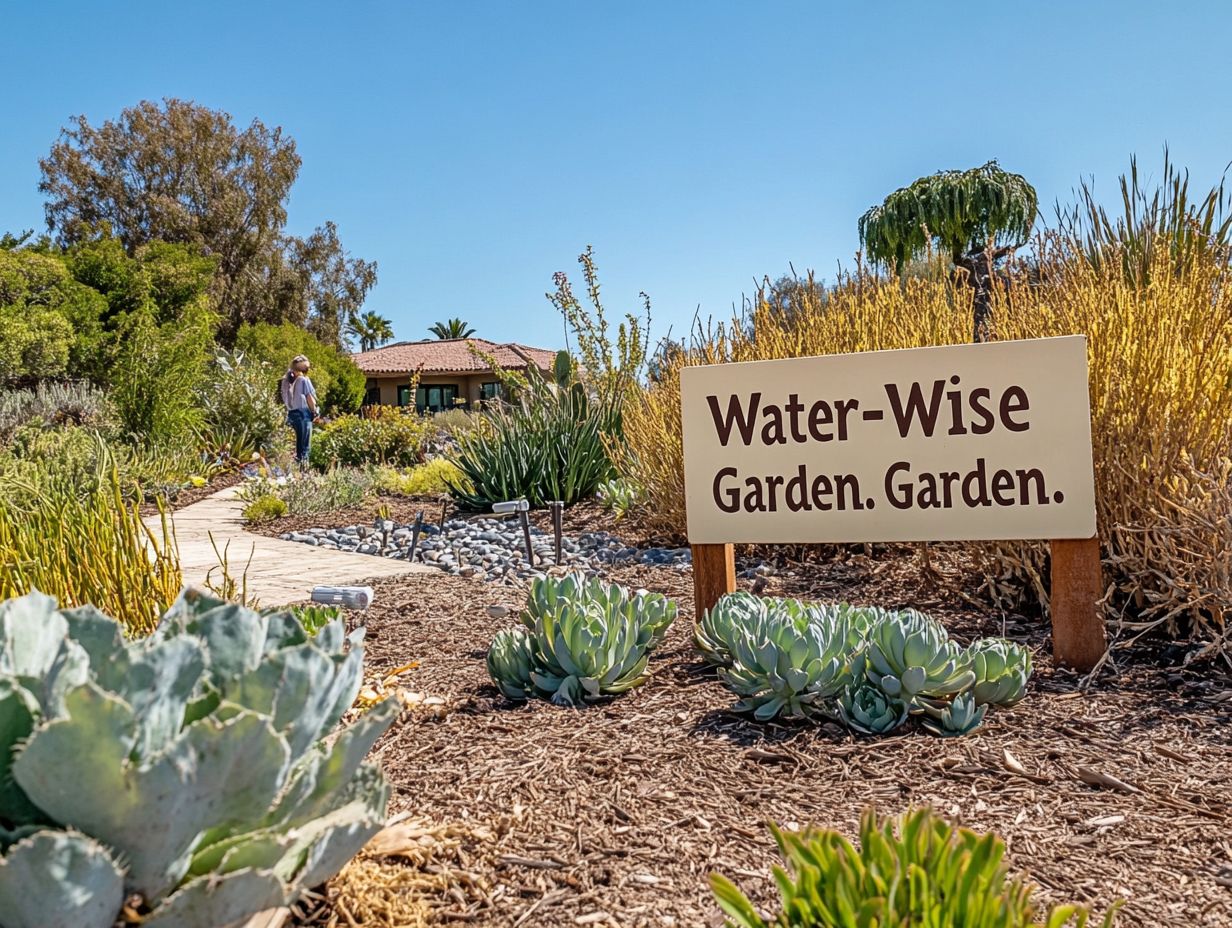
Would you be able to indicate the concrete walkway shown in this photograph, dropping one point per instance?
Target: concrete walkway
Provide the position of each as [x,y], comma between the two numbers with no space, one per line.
[280,571]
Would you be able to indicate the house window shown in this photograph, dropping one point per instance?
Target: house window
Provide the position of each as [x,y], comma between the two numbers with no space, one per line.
[373,396]
[490,391]
[436,397]
[404,395]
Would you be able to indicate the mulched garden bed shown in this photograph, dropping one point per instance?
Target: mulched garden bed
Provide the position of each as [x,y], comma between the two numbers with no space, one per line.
[614,815]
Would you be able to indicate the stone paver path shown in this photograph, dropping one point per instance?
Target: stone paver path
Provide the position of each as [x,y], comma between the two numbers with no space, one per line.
[280,572]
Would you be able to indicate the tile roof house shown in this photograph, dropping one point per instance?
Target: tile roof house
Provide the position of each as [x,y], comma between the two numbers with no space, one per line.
[452,371]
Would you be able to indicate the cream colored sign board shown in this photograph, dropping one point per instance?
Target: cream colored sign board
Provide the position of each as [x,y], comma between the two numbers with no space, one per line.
[964,442]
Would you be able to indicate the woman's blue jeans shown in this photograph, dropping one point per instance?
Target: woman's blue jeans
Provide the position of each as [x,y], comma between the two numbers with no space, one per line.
[301,421]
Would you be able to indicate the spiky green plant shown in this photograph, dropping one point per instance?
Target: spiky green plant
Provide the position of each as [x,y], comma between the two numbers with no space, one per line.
[975,217]
[212,791]
[910,655]
[918,870]
[1002,669]
[581,640]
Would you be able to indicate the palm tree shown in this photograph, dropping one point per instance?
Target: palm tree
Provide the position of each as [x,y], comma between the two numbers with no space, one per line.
[454,328]
[371,329]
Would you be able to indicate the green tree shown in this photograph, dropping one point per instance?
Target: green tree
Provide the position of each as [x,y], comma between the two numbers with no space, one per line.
[333,283]
[454,328]
[181,173]
[976,217]
[338,381]
[370,329]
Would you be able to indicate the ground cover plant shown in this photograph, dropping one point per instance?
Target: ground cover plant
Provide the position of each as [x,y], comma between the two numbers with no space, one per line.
[868,668]
[580,640]
[918,870]
[213,794]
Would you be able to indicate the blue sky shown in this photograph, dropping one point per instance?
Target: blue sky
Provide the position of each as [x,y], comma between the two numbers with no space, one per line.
[474,148]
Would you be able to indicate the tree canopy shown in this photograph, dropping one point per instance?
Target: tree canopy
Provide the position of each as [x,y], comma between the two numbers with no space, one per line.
[976,217]
[181,173]
[958,212]
[370,329]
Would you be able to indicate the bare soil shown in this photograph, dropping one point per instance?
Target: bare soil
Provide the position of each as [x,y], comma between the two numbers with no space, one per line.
[615,814]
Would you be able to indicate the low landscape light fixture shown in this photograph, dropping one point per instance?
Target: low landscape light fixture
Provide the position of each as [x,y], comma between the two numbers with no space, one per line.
[349,597]
[521,507]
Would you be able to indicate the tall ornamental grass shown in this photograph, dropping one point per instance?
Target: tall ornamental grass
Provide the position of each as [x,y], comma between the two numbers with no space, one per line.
[89,548]
[1161,402]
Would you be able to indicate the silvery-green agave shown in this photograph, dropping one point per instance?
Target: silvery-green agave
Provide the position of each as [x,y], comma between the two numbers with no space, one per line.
[865,708]
[511,661]
[189,769]
[910,655]
[732,614]
[961,716]
[789,663]
[581,640]
[1001,670]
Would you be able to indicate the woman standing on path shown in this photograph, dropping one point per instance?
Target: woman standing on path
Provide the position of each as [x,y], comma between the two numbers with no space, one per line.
[300,398]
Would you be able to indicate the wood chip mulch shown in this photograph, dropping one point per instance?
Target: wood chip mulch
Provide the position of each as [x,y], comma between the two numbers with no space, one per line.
[613,815]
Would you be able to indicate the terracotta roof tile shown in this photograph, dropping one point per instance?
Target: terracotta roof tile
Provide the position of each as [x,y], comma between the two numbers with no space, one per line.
[451,354]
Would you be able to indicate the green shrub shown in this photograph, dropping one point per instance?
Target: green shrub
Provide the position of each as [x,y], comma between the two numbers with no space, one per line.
[240,403]
[928,873]
[157,375]
[216,789]
[35,342]
[265,509]
[87,548]
[581,640]
[338,382]
[453,422]
[387,436]
[432,478]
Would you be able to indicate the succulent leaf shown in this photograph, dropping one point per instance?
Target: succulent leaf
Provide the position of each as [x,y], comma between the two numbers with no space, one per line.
[59,879]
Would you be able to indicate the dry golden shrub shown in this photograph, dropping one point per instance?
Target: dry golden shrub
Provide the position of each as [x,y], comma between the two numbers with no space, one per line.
[1161,402]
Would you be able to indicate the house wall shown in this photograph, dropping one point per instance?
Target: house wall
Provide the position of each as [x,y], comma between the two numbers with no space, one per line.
[469,385]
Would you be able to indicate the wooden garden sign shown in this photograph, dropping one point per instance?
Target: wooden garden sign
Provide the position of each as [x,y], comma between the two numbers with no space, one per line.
[958,443]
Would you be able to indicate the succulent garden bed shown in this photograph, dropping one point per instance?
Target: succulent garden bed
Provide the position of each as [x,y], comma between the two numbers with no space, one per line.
[616,813]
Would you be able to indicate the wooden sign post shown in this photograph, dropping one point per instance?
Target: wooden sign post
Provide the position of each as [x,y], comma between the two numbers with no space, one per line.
[968,442]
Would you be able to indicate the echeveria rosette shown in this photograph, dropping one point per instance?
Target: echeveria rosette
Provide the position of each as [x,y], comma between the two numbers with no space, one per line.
[909,656]
[960,716]
[865,708]
[1002,669]
[213,793]
[789,665]
[581,640]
